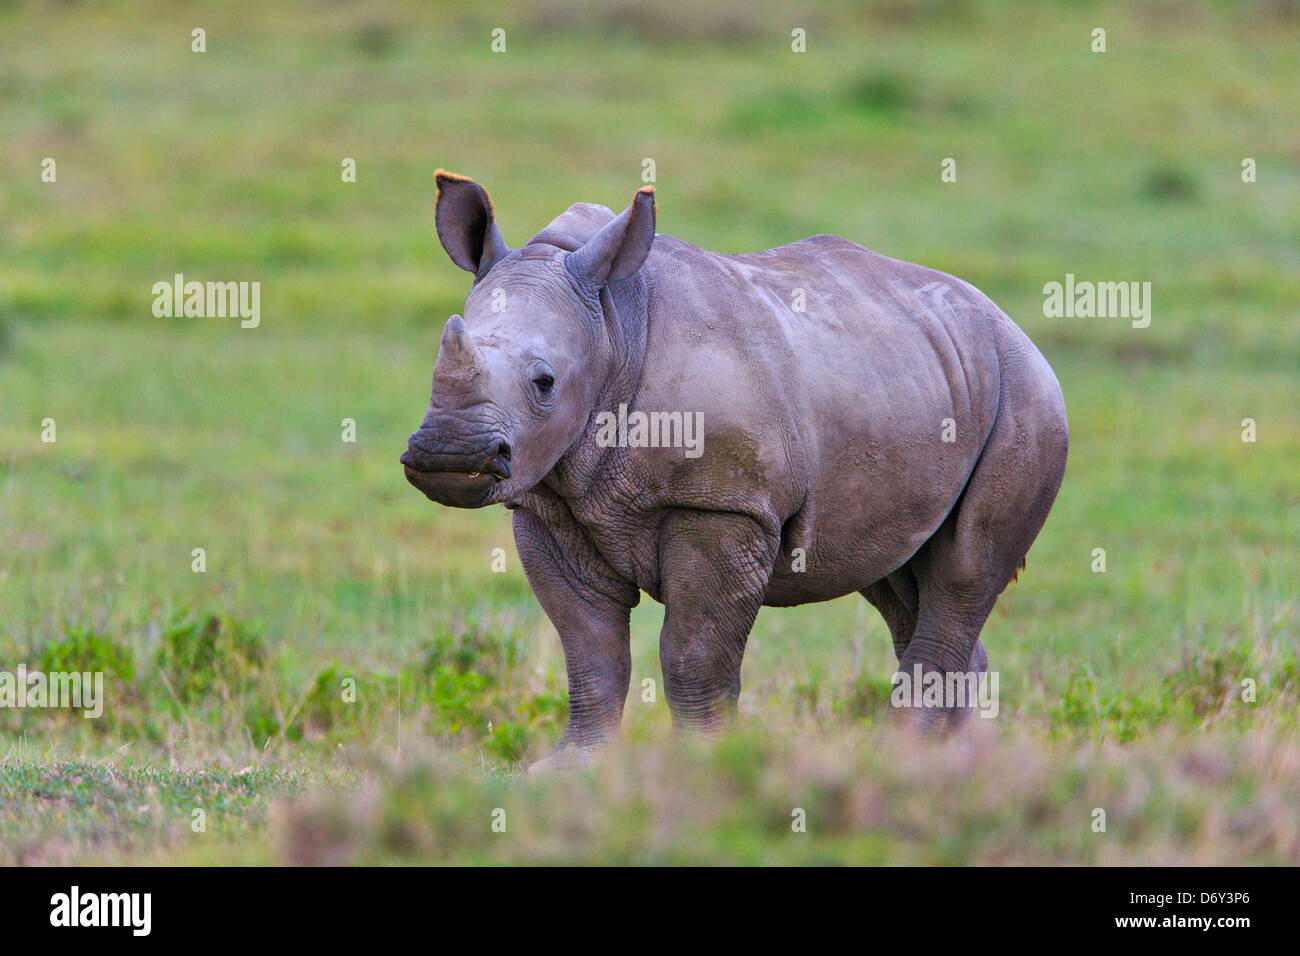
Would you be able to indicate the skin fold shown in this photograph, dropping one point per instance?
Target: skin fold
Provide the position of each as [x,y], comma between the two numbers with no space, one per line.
[867,425]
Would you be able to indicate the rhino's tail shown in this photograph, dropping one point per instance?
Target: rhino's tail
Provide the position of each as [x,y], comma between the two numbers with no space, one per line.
[1023,562]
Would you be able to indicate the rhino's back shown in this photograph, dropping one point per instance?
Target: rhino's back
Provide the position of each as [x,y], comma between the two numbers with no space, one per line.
[835,374]
[821,293]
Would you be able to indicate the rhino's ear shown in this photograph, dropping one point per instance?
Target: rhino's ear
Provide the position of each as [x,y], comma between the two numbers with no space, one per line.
[620,247]
[466,225]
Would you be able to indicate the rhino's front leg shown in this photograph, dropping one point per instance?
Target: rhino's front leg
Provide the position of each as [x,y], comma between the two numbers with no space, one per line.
[589,606]
[714,568]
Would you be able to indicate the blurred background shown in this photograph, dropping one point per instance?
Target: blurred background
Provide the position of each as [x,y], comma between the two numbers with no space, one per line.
[323,565]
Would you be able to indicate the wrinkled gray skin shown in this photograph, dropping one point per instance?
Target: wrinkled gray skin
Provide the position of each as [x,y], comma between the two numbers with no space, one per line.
[823,431]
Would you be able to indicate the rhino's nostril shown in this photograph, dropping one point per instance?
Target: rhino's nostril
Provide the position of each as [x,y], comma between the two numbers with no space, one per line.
[503,450]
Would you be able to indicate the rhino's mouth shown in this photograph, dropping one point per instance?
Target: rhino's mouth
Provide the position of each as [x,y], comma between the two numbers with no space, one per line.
[457,489]
[467,476]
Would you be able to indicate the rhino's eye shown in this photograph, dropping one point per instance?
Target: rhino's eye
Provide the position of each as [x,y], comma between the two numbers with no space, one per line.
[544,384]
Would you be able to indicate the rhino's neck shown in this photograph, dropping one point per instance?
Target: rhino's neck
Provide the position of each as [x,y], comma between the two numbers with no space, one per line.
[625,306]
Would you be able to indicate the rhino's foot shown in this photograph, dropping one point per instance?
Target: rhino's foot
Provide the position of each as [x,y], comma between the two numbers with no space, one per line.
[966,690]
[567,756]
[932,721]
[978,667]
[925,721]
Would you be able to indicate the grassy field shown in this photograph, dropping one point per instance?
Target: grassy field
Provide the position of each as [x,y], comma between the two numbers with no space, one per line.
[1120,690]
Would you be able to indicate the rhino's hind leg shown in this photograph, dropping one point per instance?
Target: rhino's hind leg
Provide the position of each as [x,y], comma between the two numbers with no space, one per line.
[894,596]
[981,546]
[714,569]
[954,602]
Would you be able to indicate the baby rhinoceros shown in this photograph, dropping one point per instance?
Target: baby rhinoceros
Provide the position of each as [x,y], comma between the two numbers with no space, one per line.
[725,432]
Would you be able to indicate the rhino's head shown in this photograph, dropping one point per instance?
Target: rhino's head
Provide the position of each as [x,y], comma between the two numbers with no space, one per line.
[518,377]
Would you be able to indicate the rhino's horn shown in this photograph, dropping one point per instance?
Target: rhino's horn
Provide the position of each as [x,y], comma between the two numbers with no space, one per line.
[458,357]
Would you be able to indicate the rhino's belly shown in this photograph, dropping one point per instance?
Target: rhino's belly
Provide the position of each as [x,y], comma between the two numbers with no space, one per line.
[849,553]
[871,507]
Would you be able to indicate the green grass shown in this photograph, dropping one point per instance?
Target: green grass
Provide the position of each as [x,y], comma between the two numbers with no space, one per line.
[1119,690]
[73,812]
